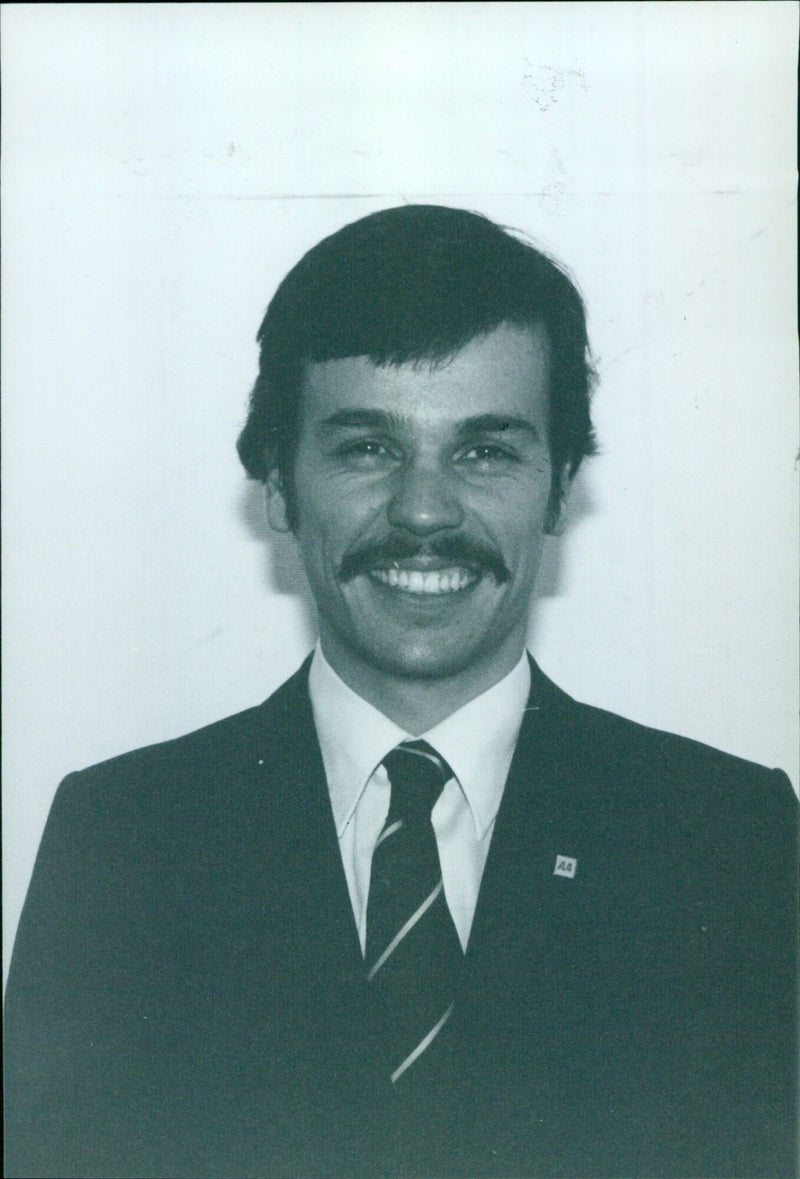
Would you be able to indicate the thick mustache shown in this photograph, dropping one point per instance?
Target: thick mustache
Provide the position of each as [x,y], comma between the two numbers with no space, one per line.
[456,550]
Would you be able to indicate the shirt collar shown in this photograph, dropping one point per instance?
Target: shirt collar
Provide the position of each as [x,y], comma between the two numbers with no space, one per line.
[477,740]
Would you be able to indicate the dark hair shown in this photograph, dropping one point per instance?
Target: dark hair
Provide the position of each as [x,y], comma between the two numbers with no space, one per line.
[415,283]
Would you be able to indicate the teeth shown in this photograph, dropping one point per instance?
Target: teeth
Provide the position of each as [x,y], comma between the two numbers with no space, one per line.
[414,581]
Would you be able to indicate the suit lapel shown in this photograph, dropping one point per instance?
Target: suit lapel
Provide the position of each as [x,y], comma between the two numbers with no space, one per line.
[538,855]
[308,848]
[337,1020]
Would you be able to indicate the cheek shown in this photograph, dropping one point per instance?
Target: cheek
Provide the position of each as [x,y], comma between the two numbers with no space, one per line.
[326,529]
[517,522]
[339,515]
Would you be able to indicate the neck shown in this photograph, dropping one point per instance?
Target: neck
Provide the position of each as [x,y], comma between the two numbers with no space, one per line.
[417,704]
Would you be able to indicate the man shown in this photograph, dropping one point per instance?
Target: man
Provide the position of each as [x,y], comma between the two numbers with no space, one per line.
[420,913]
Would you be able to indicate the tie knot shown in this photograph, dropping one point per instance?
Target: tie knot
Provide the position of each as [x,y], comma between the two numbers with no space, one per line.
[417,775]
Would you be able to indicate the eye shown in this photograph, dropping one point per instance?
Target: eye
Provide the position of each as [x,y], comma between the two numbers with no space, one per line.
[365,446]
[365,452]
[488,454]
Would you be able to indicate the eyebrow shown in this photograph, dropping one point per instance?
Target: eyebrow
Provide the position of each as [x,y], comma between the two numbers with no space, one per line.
[371,419]
[386,420]
[497,423]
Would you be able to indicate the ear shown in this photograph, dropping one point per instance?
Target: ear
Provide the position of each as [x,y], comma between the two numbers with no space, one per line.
[556,519]
[277,513]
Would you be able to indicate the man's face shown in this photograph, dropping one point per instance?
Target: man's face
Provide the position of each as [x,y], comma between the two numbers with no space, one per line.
[421,496]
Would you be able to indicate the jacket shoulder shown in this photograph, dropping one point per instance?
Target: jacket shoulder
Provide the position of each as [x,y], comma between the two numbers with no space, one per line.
[203,760]
[691,772]
[685,773]
[225,735]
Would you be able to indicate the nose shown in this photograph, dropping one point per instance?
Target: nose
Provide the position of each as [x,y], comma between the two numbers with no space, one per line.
[425,500]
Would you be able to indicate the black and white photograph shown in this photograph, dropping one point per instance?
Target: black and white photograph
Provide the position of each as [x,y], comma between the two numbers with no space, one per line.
[400,590]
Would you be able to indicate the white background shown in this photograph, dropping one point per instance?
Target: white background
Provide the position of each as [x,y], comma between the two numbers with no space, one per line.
[165,165]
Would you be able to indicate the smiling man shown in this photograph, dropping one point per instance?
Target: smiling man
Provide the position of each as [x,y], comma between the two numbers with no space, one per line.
[420,913]
[424,490]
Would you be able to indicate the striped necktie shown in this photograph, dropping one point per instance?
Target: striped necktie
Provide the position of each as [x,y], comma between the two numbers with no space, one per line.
[413,953]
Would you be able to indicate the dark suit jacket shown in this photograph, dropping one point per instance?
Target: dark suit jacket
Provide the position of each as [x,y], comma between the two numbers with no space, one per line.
[187,996]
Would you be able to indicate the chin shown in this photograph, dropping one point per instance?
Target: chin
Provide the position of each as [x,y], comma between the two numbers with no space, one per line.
[421,661]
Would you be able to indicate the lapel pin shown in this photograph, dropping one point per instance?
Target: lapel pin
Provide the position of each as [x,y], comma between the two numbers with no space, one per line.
[565,866]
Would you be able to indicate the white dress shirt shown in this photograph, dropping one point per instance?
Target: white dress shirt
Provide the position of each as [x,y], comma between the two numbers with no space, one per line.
[477,742]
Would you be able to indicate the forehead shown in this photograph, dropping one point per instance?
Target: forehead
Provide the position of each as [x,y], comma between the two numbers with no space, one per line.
[505,371]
